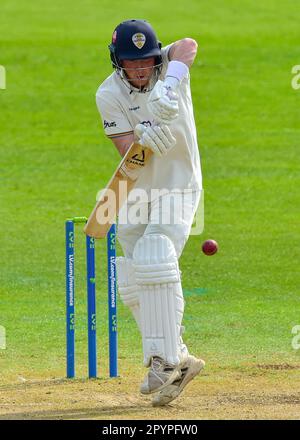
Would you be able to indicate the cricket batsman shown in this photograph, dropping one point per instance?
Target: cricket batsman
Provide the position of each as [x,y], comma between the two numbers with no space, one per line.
[147,99]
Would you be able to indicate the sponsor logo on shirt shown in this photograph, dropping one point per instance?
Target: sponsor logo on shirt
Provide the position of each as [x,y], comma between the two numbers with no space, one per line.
[134,108]
[146,123]
[109,124]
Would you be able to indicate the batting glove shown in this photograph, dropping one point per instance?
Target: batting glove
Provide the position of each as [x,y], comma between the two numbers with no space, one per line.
[158,138]
[163,101]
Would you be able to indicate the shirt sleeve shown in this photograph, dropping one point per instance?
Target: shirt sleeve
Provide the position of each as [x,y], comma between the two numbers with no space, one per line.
[115,122]
[165,59]
[165,53]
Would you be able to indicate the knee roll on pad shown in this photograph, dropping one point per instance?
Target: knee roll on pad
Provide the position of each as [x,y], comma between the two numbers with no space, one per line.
[155,260]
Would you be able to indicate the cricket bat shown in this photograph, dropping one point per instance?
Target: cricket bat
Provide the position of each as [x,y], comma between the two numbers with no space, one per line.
[117,190]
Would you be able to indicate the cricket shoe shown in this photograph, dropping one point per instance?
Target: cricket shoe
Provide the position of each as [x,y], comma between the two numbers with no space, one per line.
[189,370]
[160,375]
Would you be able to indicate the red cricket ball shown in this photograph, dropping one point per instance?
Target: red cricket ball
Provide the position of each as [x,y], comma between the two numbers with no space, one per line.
[210,247]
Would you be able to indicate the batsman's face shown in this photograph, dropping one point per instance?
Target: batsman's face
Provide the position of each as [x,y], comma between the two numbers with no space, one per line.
[139,72]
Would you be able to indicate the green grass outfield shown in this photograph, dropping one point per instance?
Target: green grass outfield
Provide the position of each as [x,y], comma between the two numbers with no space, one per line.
[242,303]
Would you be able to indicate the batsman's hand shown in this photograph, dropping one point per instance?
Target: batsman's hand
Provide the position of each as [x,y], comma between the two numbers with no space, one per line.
[163,102]
[158,138]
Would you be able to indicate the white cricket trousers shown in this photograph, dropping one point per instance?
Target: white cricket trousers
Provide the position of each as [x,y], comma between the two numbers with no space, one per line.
[171,214]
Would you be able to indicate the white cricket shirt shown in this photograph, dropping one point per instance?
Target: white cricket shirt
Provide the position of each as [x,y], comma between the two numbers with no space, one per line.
[122,109]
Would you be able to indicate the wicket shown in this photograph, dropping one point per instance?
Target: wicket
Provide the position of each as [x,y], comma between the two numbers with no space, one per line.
[91,300]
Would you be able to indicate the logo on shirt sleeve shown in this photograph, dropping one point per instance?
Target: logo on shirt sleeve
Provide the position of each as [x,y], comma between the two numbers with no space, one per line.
[109,124]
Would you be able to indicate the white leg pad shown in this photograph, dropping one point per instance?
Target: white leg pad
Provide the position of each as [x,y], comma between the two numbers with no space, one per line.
[128,289]
[161,299]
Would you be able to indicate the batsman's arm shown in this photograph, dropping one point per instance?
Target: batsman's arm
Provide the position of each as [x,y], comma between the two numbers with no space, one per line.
[184,50]
[123,143]
[163,100]
[116,192]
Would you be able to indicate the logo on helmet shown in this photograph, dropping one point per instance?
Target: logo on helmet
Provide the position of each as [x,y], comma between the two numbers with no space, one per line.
[114,37]
[139,40]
